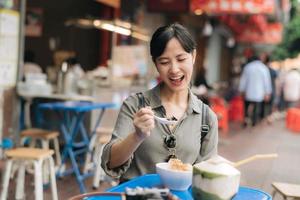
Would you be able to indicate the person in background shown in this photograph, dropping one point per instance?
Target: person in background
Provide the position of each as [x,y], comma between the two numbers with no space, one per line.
[138,141]
[30,66]
[268,105]
[291,88]
[255,87]
[202,86]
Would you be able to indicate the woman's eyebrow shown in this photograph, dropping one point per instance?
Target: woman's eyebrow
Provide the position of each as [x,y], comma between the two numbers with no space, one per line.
[162,58]
[182,54]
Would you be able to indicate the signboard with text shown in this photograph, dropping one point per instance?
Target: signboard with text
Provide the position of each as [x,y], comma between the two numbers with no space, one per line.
[9,37]
[216,7]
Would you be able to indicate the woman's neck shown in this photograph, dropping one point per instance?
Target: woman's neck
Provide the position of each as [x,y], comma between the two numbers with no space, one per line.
[171,99]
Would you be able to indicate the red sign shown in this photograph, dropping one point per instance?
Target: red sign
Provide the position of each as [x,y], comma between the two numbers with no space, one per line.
[168,5]
[216,7]
[271,35]
[255,29]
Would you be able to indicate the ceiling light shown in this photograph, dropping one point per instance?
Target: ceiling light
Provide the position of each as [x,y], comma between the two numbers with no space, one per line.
[198,12]
[117,29]
[140,36]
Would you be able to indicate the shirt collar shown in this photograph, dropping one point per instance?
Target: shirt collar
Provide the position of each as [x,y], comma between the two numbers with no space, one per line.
[152,98]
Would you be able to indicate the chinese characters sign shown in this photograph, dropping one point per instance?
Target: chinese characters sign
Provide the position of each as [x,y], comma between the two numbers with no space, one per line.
[216,7]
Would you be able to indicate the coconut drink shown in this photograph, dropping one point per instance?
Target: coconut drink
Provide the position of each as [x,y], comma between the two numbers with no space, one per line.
[215,181]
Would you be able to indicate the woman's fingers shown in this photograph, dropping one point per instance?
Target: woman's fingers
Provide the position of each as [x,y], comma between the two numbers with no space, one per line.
[144,121]
[143,111]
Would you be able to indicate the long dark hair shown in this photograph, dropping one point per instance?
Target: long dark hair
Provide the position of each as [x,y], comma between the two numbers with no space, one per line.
[164,34]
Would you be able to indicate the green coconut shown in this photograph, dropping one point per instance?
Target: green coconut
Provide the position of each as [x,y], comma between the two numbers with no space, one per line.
[215,181]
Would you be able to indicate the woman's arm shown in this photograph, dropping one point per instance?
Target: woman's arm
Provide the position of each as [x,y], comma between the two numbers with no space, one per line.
[121,151]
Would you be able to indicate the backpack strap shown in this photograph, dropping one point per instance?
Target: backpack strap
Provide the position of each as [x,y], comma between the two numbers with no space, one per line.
[204,126]
[141,100]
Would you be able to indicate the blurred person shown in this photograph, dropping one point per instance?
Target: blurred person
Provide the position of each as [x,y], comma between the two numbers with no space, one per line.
[30,66]
[268,105]
[255,87]
[291,88]
[201,86]
[138,141]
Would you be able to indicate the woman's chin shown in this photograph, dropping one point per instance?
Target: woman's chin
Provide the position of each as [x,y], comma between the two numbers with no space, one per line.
[177,87]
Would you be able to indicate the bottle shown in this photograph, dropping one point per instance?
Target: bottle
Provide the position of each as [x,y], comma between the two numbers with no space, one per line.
[61,78]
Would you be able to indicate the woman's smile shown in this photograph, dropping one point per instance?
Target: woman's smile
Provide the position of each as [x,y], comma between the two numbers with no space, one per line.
[176,81]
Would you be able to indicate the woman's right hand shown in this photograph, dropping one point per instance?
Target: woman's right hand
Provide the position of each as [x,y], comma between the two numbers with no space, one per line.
[144,122]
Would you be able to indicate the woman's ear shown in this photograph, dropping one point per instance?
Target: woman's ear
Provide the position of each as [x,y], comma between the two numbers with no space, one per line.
[194,53]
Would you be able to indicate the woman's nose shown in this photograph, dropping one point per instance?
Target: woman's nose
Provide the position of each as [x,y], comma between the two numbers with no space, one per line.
[174,66]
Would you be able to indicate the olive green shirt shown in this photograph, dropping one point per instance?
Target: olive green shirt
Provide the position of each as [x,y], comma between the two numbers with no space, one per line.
[153,149]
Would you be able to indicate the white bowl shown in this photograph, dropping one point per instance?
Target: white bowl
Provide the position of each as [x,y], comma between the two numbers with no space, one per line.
[174,179]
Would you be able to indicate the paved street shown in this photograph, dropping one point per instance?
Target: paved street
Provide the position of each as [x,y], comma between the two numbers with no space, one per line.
[264,138]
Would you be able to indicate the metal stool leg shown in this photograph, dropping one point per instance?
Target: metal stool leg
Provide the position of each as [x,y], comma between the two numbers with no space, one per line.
[6,179]
[53,178]
[21,180]
[45,145]
[99,173]
[57,152]
[38,182]
[88,157]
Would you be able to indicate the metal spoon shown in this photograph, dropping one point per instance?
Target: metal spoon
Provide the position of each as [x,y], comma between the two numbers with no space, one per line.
[166,121]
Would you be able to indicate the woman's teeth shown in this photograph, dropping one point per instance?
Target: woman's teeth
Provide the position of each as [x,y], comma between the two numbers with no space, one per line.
[177,79]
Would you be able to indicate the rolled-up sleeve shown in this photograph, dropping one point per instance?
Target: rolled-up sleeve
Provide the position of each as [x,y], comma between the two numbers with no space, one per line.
[209,146]
[123,127]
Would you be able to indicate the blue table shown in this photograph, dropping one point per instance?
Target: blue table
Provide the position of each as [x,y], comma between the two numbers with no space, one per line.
[71,114]
[153,180]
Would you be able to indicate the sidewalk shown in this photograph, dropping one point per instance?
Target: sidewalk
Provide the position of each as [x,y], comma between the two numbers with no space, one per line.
[240,143]
[264,138]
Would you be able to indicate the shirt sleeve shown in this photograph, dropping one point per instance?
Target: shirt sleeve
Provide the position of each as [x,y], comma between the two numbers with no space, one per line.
[209,146]
[123,127]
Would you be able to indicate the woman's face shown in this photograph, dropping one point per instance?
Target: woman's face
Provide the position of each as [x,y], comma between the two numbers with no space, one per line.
[175,66]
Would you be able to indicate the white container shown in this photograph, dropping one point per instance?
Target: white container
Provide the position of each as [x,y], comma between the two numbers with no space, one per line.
[215,181]
[174,179]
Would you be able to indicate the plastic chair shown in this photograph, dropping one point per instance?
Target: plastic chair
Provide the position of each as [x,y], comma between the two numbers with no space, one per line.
[293,119]
[219,107]
[236,109]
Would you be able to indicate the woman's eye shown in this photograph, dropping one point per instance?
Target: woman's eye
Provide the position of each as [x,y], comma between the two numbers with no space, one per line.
[181,59]
[164,63]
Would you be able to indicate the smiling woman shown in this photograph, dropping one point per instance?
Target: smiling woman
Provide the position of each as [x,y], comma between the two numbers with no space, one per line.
[139,140]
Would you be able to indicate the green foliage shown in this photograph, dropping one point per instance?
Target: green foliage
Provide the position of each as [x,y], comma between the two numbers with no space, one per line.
[290,45]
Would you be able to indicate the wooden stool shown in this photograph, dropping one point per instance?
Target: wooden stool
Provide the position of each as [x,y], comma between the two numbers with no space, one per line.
[37,156]
[93,157]
[287,190]
[45,137]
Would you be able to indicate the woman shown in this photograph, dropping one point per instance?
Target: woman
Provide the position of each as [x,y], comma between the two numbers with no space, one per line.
[139,141]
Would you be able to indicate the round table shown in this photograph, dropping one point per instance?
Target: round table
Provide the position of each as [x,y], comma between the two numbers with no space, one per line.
[153,180]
